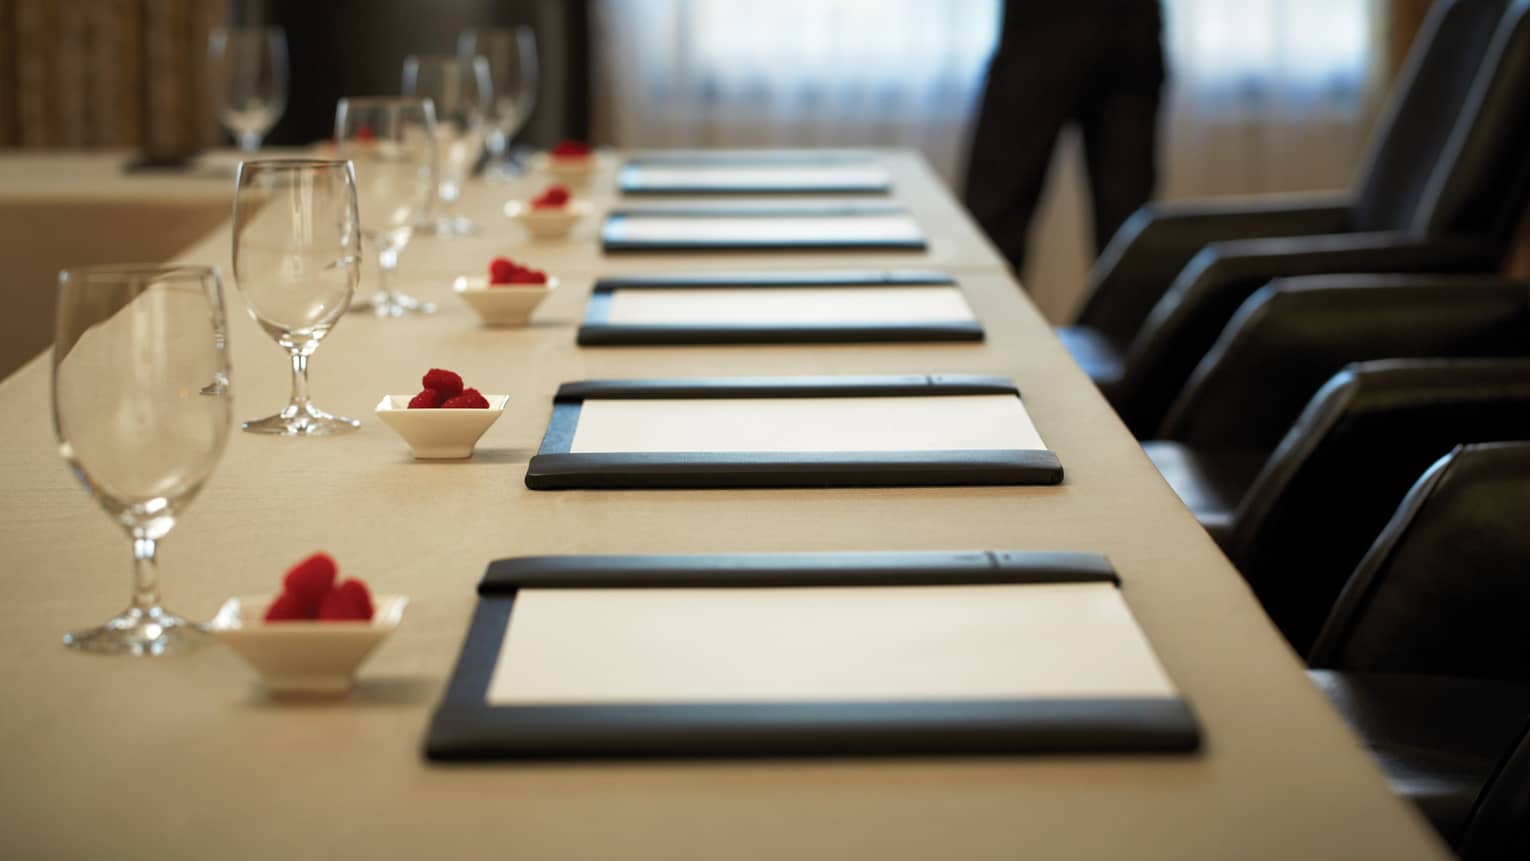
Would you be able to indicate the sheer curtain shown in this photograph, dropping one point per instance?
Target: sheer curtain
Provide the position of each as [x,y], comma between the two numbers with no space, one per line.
[1266,96]
[718,73]
[1263,95]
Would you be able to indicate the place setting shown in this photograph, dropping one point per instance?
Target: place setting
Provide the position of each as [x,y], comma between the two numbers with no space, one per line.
[780,306]
[745,655]
[873,431]
[763,173]
[756,227]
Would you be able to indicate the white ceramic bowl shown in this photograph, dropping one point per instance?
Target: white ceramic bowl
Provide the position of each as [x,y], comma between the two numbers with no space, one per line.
[437,434]
[551,222]
[504,305]
[573,171]
[304,657]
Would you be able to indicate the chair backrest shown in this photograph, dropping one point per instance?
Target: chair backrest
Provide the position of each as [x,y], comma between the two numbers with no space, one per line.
[1500,822]
[1445,589]
[1342,469]
[1426,105]
[1482,184]
[1292,336]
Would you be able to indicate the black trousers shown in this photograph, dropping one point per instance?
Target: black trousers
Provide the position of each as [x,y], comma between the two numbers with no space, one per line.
[1096,64]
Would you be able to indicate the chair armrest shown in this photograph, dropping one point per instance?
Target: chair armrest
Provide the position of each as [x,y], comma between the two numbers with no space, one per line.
[1153,245]
[1187,321]
[1293,335]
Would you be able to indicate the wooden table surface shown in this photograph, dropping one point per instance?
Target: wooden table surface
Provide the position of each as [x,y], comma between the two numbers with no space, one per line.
[188,757]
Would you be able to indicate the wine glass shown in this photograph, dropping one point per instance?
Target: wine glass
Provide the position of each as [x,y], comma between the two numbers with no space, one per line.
[297,258]
[392,144]
[249,73]
[512,56]
[141,409]
[459,89]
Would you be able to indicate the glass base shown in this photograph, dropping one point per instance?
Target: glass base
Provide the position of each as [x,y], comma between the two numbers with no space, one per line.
[395,305]
[304,420]
[509,165]
[143,632]
[506,171]
[447,227]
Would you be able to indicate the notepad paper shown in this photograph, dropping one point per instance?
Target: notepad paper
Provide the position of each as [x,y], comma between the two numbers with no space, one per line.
[860,424]
[807,229]
[784,306]
[607,646]
[765,178]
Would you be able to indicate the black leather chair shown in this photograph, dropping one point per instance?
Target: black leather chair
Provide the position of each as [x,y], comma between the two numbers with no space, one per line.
[1288,340]
[1437,739]
[1444,186]
[1425,652]
[1342,469]
[1499,829]
[1445,587]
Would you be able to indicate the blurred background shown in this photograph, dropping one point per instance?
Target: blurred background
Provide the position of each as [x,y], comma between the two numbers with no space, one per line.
[1262,95]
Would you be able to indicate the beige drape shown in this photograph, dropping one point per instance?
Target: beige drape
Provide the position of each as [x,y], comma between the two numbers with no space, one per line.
[106,73]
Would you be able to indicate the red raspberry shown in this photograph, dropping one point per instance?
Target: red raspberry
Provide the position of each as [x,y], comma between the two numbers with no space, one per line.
[470,399]
[445,382]
[426,400]
[500,270]
[555,197]
[529,276]
[349,602]
[309,580]
[570,149]
[287,608]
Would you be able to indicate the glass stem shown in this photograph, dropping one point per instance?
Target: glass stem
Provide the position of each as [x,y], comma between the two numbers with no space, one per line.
[249,141]
[299,381]
[387,261]
[145,574]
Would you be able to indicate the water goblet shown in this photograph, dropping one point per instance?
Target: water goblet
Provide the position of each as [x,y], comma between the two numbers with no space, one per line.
[297,259]
[459,88]
[141,411]
[248,69]
[391,142]
[512,56]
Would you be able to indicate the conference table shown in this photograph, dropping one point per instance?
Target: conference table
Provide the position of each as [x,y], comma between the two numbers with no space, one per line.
[190,756]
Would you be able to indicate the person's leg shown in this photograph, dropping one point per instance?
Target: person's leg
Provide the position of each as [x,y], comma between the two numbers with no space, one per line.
[1026,101]
[1119,118]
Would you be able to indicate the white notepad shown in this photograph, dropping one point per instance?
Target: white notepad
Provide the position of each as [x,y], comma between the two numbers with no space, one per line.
[721,228]
[762,177]
[787,305]
[860,424]
[689,645]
